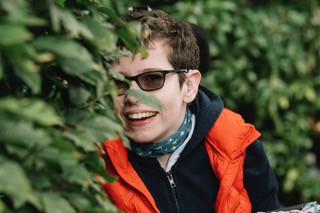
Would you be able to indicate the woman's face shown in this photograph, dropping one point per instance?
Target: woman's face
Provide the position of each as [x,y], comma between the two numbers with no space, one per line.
[144,123]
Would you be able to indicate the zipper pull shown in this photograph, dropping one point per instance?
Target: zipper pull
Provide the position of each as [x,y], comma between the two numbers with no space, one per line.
[173,186]
[171,181]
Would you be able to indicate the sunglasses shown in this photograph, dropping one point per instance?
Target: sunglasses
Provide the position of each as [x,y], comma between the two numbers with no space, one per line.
[148,81]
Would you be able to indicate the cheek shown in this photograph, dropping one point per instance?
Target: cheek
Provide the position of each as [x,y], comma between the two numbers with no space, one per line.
[117,106]
[172,101]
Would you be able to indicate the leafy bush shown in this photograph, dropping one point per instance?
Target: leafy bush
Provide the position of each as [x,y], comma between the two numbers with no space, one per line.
[56,103]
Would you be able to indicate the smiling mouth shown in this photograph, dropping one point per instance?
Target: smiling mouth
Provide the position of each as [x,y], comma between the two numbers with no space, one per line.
[141,115]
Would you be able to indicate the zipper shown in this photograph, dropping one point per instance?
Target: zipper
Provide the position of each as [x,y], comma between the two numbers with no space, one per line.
[173,189]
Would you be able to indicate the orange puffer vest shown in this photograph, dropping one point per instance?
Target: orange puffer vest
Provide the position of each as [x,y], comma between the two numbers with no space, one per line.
[226,145]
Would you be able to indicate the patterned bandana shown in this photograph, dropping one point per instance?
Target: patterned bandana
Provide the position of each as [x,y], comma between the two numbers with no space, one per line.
[155,150]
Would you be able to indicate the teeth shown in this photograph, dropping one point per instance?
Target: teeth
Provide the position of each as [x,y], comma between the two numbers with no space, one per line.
[141,115]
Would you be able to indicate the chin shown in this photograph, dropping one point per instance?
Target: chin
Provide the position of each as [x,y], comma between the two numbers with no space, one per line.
[142,139]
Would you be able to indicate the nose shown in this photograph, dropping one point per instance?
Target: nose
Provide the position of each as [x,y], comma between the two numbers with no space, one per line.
[128,99]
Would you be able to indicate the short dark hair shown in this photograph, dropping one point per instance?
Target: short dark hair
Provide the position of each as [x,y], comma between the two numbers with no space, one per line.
[177,35]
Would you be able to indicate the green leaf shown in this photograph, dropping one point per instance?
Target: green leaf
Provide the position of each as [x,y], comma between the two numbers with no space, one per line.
[104,39]
[78,95]
[13,7]
[147,99]
[55,203]
[55,155]
[80,201]
[61,46]
[69,21]
[95,78]
[128,38]
[96,165]
[106,204]
[128,31]
[2,205]
[14,183]
[80,138]
[18,12]
[74,66]
[143,51]
[1,67]
[23,59]
[34,199]
[43,181]
[74,117]
[112,14]
[31,79]
[76,174]
[100,128]
[12,34]
[33,109]
[28,20]
[22,132]
[73,57]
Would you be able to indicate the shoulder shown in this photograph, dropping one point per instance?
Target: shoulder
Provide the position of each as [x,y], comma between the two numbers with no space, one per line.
[231,134]
[115,156]
[230,118]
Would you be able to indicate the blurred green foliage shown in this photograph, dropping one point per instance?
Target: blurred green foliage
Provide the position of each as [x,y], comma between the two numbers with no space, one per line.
[56,103]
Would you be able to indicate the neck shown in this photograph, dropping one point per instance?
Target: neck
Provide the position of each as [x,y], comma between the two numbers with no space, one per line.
[163,160]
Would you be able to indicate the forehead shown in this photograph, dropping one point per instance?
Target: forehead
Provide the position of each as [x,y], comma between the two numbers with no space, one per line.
[156,60]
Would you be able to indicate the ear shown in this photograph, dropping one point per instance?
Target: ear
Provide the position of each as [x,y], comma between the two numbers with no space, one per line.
[192,85]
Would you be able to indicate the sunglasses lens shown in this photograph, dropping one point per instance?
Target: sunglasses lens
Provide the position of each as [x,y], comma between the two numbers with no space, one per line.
[122,86]
[151,81]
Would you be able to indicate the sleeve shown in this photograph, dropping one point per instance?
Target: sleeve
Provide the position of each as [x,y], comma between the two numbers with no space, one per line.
[259,179]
